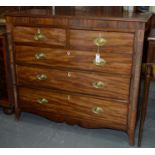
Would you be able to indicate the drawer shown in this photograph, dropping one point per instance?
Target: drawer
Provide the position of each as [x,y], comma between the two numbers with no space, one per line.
[81,82]
[76,59]
[115,41]
[91,111]
[52,36]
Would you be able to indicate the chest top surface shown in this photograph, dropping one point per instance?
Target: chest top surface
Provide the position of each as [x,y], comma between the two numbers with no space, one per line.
[105,13]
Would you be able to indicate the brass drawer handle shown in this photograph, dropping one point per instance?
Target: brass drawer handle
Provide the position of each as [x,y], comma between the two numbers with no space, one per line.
[98,84]
[97,110]
[41,77]
[42,101]
[39,36]
[102,62]
[100,41]
[40,56]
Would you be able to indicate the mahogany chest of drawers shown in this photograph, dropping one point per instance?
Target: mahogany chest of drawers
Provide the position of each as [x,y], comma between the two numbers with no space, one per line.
[77,67]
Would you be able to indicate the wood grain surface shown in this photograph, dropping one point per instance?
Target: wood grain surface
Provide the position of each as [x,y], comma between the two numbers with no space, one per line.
[116,62]
[115,41]
[114,86]
[54,36]
[78,107]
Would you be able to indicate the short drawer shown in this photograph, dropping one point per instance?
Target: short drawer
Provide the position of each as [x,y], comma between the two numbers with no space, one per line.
[76,59]
[81,82]
[91,111]
[52,36]
[113,41]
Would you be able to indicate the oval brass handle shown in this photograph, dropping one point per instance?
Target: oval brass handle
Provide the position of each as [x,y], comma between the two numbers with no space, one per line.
[38,36]
[41,77]
[42,101]
[40,56]
[98,84]
[100,41]
[97,110]
[100,63]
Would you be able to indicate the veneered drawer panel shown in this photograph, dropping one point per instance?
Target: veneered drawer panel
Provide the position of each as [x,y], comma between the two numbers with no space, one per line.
[115,41]
[81,82]
[102,113]
[52,36]
[115,62]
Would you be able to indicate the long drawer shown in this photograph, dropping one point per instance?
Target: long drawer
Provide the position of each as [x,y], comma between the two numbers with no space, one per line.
[82,82]
[92,111]
[115,41]
[52,36]
[114,61]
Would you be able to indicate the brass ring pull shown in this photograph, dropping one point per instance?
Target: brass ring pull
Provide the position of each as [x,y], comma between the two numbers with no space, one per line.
[100,41]
[97,110]
[98,84]
[42,101]
[41,77]
[102,62]
[39,36]
[40,56]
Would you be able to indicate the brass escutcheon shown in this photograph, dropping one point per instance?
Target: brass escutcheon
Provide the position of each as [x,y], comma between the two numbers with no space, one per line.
[68,53]
[69,74]
[68,97]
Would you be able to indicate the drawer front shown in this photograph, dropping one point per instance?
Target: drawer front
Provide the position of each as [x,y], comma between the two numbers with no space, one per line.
[100,113]
[52,36]
[115,41]
[88,83]
[114,62]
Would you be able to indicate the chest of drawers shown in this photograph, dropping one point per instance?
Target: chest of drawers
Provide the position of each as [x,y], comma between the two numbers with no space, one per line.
[56,72]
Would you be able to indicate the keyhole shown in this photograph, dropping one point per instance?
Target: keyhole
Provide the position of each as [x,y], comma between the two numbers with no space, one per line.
[68,53]
[69,74]
[68,97]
